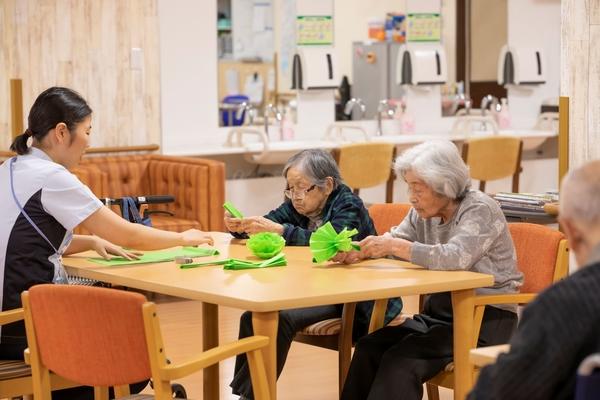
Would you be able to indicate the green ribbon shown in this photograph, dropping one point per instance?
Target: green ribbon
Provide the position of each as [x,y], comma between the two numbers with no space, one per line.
[325,242]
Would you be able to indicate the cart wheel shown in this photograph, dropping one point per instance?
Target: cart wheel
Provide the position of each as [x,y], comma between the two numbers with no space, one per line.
[178,391]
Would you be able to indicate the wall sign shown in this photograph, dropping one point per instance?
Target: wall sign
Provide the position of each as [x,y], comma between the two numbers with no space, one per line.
[314,30]
[424,27]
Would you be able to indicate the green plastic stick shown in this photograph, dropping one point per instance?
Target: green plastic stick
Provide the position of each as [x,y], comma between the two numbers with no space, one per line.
[232,210]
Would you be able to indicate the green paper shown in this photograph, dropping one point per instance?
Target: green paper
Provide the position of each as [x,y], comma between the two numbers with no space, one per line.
[325,242]
[265,244]
[238,264]
[232,210]
[157,256]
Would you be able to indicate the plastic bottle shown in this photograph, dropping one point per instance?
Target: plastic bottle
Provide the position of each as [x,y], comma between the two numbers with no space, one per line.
[287,125]
[504,115]
[408,122]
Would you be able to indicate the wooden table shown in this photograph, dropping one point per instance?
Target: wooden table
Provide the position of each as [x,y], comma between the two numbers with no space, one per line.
[300,284]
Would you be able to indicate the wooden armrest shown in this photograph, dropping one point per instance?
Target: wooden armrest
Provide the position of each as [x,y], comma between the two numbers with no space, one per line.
[213,356]
[513,298]
[7,317]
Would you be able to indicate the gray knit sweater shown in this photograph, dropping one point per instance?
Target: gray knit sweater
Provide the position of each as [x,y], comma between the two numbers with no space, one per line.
[475,239]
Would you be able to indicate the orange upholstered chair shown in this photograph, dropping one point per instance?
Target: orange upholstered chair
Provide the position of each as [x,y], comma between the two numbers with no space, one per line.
[197,184]
[542,256]
[386,215]
[104,337]
[336,333]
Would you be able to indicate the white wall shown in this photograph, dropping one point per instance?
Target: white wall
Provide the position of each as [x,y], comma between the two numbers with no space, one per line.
[188,71]
[534,23]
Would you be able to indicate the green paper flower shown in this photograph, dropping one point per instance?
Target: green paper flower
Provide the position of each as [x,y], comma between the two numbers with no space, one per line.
[325,242]
[265,244]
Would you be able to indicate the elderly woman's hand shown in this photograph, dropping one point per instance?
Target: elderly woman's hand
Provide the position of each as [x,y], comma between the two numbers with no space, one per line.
[348,257]
[377,246]
[385,245]
[233,224]
[252,225]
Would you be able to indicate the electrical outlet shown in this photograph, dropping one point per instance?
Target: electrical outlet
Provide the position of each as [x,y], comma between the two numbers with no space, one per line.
[136,59]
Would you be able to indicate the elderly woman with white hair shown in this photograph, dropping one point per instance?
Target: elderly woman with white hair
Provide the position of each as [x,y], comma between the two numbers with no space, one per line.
[449,227]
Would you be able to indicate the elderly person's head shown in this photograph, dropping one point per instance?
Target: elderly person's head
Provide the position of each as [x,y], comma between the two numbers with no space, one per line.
[580,210]
[311,175]
[436,176]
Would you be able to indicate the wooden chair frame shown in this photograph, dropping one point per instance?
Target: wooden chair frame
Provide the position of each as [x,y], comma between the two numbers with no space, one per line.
[389,184]
[516,174]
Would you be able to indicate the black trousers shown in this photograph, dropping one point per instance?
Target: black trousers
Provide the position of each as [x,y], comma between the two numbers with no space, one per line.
[290,322]
[15,352]
[394,362]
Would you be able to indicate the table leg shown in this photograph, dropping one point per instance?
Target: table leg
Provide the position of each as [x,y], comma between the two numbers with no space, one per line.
[265,324]
[462,304]
[210,339]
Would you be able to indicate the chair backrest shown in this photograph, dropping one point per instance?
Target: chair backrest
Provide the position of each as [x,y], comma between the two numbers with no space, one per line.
[387,215]
[494,157]
[541,255]
[89,335]
[364,165]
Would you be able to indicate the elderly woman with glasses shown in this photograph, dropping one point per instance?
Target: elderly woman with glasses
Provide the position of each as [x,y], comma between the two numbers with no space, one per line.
[314,195]
[449,227]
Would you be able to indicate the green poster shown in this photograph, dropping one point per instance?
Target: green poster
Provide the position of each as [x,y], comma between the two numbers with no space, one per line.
[424,27]
[314,30]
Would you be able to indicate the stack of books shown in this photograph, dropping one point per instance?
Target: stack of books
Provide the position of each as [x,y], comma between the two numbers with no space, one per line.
[525,203]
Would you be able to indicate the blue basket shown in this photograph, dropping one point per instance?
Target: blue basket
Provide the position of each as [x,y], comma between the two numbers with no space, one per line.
[234,99]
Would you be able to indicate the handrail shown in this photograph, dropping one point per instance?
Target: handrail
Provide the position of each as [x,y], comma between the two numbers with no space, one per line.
[122,149]
[99,150]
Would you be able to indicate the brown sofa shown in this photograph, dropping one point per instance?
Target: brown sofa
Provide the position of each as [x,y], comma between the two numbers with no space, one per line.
[197,184]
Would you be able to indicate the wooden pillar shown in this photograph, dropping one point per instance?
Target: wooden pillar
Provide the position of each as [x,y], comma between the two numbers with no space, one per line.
[16,107]
[563,138]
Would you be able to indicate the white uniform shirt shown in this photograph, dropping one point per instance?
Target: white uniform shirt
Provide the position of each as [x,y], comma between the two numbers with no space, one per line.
[57,202]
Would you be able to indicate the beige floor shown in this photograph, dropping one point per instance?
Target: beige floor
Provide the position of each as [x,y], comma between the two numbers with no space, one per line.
[310,372]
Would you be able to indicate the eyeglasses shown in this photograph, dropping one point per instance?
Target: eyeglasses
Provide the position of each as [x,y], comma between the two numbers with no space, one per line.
[297,193]
[415,191]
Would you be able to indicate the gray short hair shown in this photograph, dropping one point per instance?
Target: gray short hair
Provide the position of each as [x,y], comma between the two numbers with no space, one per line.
[580,194]
[317,165]
[439,165]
